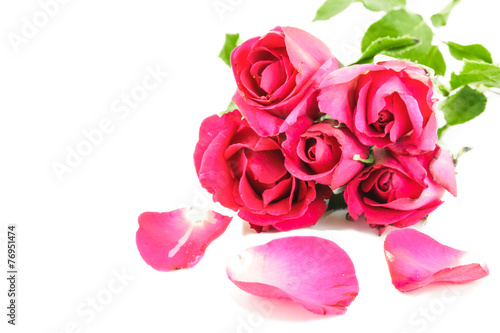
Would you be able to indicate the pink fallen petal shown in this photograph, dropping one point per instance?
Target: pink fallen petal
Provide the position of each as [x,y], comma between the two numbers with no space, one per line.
[416,260]
[178,239]
[314,272]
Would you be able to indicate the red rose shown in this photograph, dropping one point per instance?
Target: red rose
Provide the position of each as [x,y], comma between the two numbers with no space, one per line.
[400,190]
[389,105]
[246,173]
[322,152]
[274,74]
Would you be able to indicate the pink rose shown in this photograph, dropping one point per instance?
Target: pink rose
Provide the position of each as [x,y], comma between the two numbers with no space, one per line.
[274,74]
[246,173]
[400,190]
[322,152]
[389,105]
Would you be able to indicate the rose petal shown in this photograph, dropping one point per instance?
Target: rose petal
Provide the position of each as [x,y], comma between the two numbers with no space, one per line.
[442,170]
[415,260]
[264,123]
[211,165]
[307,53]
[314,211]
[402,109]
[267,166]
[314,272]
[347,167]
[178,239]
[273,77]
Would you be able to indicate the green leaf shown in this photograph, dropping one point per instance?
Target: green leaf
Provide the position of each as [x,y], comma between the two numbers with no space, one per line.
[444,89]
[471,52]
[383,5]
[440,19]
[232,40]
[386,44]
[330,8]
[336,202]
[400,23]
[230,108]
[433,59]
[477,72]
[441,130]
[463,106]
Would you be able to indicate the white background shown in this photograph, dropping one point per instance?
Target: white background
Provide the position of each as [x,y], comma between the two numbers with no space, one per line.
[75,235]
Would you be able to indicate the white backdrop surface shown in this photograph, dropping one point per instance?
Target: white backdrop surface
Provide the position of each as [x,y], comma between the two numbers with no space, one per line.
[79,268]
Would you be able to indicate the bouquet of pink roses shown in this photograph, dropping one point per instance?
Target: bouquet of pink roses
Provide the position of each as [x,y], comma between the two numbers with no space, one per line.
[304,135]
[304,127]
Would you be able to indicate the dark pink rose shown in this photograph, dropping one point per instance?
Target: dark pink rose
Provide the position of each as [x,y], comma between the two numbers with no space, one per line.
[246,172]
[389,104]
[322,152]
[274,74]
[400,190]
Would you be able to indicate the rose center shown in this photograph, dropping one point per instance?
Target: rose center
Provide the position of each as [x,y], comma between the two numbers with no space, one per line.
[384,182]
[385,117]
[379,186]
[319,153]
[311,149]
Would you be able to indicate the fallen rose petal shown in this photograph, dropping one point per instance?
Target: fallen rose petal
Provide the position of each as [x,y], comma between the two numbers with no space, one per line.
[415,260]
[178,239]
[314,272]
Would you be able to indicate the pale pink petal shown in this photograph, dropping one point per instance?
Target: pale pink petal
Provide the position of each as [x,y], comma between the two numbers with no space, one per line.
[314,272]
[442,170]
[178,239]
[307,53]
[415,260]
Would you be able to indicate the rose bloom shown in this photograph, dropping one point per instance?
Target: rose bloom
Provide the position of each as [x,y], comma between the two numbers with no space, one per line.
[322,152]
[400,190]
[277,75]
[389,104]
[246,172]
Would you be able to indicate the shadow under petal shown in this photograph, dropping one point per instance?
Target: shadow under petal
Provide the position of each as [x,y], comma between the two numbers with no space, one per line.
[274,308]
